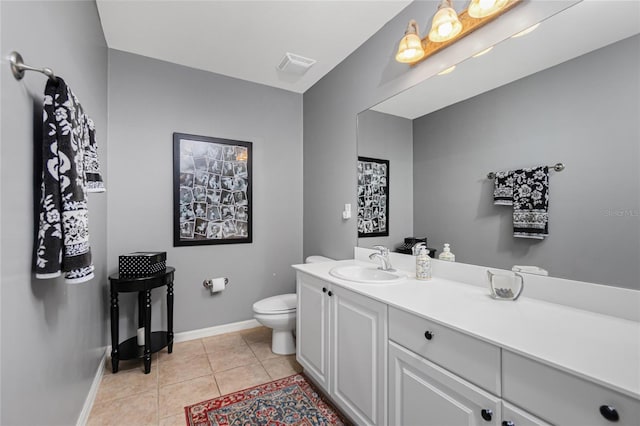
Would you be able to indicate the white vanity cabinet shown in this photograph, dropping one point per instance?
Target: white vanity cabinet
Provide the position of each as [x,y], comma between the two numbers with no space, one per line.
[474,360]
[342,345]
[514,416]
[312,328]
[463,367]
[562,398]
[422,393]
[438,376]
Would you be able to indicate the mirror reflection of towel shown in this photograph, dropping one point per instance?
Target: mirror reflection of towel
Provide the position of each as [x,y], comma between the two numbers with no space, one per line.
[531,203]
[503,189]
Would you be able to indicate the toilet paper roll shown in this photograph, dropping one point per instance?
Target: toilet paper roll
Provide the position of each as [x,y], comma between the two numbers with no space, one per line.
[141,336]
[218,284]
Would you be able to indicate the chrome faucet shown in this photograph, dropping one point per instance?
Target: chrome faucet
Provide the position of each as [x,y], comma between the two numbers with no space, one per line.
[383,255]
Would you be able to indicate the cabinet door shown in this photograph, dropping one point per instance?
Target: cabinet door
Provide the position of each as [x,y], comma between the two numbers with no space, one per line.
[561,398]
[358,356]
[421,393]
[312,328]
[513,416]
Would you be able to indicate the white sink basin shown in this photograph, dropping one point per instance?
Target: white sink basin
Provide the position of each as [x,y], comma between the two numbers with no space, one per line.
[366,274]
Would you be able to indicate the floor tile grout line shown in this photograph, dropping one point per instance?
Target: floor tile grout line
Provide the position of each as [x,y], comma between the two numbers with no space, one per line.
[157,367]
[212,375]
[215,379]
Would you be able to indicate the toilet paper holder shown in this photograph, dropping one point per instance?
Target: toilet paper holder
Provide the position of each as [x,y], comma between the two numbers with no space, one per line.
[215,284]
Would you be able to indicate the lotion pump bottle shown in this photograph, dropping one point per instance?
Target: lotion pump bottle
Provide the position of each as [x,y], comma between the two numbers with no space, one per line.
[423,264]
[447,255]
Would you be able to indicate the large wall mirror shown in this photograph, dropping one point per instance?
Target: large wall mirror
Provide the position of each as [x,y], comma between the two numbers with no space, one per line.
[569,93]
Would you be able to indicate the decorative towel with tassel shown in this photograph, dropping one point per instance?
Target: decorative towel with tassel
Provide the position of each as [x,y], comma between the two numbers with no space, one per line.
[531,203]
[70,170]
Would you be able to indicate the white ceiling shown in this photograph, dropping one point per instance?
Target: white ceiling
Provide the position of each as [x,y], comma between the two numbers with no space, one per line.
[246,39]
[579,29]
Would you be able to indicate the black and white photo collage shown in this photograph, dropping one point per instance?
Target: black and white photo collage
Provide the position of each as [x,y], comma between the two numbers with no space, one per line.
[213,191]
[373,192]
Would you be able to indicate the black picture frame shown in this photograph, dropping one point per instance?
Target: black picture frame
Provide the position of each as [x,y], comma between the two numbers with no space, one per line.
[212,183]
[373,197]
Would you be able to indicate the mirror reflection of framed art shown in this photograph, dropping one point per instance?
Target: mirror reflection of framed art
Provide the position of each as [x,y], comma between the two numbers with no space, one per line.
[211,190]
[373,197]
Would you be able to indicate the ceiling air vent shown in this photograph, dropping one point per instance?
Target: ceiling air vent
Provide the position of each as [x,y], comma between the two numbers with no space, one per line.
[295,64]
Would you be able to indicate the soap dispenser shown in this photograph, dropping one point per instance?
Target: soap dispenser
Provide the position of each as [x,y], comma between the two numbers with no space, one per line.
[423,264]
[446,254]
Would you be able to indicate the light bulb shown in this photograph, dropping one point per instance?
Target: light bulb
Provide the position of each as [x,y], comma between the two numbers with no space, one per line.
[410,48]
[445,29]
[483,8]
[408,54]
[486,4]
[445,24]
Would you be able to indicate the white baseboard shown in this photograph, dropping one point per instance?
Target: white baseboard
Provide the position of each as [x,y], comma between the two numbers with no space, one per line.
[177,337]
[93,392]
[185,336]
[214,331]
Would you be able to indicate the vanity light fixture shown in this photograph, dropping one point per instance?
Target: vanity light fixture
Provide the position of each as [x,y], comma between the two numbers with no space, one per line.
[527,31]
[448,27]
[482,8]
[410,48]
[445,25]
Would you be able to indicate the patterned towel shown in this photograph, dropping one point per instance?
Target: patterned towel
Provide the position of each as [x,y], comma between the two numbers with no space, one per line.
[503,189]
[531,203]
[70,170]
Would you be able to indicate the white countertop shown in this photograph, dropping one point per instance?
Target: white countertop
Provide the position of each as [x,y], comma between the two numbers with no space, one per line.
[600,348]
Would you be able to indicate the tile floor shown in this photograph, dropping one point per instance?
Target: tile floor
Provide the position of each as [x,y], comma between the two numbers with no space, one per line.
[197,370]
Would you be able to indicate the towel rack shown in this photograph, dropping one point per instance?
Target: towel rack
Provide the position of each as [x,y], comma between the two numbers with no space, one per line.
[558,167]
[18,67]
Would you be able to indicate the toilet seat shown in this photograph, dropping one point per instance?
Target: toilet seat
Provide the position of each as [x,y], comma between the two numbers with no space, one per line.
[280,304]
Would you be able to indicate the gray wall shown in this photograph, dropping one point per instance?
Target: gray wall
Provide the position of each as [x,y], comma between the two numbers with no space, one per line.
[390,138]
[365,78]
[583,113]
[148,101]
[52,333]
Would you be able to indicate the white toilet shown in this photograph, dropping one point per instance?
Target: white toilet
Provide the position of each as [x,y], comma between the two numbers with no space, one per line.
[279,314]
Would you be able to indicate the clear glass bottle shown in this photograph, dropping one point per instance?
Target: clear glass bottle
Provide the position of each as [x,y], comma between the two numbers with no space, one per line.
[446,254]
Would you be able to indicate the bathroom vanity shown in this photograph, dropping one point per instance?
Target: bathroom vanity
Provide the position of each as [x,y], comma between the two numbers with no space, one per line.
[443,352]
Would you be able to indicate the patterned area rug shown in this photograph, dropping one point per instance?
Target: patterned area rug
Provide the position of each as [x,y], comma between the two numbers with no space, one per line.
[289,401]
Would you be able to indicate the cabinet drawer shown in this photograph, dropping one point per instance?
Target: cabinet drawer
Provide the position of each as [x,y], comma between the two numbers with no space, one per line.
[472,359]
[559,397]
[424,394]
[513,416]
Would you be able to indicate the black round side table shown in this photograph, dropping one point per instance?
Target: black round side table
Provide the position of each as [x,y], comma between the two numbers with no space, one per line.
[153,342]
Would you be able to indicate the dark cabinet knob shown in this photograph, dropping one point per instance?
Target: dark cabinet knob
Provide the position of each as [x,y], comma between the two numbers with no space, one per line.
[508,423]
[609,413]
[330,294]
[324,289]
[428,335]
[486,414]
